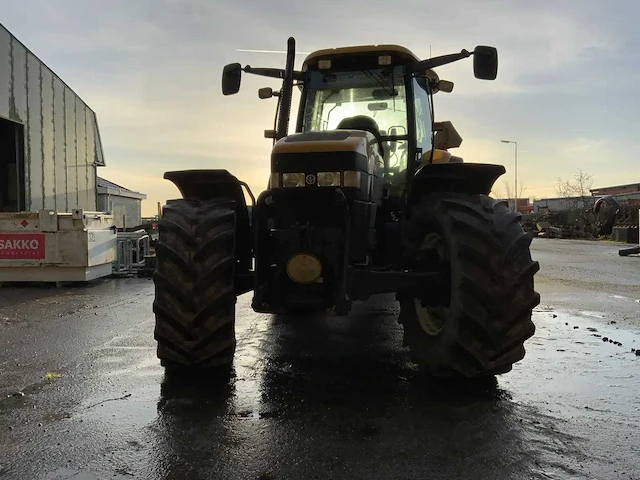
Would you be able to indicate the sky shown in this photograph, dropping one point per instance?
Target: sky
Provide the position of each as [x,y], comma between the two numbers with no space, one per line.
[568,85]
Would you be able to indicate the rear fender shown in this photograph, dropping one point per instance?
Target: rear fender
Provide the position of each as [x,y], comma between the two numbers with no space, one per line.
[212,184]
[470,178]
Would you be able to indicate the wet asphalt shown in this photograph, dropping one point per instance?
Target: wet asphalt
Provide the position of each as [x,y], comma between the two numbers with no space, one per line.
[82,394]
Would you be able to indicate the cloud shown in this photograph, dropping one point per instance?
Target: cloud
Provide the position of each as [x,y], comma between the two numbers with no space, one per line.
[585,145]
[566,88]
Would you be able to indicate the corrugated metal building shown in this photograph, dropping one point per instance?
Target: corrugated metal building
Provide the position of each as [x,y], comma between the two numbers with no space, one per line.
[563,203]
[49,141]
[125,205]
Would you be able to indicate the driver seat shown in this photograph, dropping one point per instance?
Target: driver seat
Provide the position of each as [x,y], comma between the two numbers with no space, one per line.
[363,122]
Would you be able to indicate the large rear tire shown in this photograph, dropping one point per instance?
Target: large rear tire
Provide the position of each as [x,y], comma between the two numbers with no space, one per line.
[194,285]
[481,245]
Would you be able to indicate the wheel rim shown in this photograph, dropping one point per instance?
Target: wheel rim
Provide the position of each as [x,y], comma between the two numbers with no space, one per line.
[432,319]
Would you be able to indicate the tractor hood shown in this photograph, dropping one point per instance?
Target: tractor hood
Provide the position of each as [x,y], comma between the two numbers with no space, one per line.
[332,150]
[328,141]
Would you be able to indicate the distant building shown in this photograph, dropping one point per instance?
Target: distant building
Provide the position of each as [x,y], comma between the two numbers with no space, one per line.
[624,194]
[524,204]
[50,145]
[630,188]
[124,204]
[562,203]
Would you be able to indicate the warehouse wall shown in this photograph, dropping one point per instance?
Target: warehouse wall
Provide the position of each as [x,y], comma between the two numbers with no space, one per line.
[127,212]
[62,143]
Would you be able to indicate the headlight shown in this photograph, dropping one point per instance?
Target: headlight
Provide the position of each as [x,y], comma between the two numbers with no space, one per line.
[292,180]
[329,179]
[352,179]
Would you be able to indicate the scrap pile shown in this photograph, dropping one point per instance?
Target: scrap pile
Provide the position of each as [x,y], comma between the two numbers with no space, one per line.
[599,220]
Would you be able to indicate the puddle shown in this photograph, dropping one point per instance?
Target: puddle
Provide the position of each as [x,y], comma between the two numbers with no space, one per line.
[121,411]
[576,371]
[249,364]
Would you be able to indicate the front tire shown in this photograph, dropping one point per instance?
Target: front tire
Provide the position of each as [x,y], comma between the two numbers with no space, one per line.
[482,328]
[194,285]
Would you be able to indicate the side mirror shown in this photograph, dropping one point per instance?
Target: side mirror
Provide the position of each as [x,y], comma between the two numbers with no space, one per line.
[485,63]
[231,76]
[266,92]
[445,86]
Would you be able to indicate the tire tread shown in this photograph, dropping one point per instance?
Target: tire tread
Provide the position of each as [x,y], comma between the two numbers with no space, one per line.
[194,301]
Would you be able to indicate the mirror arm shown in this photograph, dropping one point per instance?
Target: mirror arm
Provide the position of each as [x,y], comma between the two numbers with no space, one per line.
[265,72]
[272,72]
[439,61]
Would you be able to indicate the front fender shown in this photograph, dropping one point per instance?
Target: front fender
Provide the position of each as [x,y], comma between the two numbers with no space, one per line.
[470,178]
[206,185]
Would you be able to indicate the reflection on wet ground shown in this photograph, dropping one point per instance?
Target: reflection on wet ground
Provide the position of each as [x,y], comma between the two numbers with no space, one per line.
[335,398]
[586,375]
[329,397]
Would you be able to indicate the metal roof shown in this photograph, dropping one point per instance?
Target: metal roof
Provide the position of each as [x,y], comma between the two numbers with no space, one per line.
[114,189]
[390,48]
[629,187]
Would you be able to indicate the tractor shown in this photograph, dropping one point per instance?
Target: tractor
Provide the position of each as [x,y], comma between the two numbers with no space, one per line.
[363,199]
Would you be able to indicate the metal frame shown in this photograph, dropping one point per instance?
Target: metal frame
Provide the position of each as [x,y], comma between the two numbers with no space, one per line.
[130,245]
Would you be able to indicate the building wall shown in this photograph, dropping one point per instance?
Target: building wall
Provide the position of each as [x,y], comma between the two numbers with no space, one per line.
[617,190]
[628,197]
[62,143]
[568,203]
[130,208]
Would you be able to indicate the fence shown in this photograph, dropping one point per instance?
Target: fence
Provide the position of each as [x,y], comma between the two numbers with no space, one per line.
[132,248]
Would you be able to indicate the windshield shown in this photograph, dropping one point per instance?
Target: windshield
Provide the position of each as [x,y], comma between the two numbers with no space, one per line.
[379,94]
[334,96]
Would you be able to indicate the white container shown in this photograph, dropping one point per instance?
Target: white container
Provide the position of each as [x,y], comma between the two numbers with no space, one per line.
[46,246]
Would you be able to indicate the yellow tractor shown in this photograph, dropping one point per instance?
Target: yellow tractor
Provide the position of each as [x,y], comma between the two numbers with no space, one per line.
[363,199]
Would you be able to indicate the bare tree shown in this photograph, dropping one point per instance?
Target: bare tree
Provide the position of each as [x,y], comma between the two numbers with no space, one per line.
[506,191]
[576,189]
[579,186]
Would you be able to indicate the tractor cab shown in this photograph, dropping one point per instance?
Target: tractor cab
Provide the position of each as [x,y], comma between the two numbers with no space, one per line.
[376,100]
[370,88]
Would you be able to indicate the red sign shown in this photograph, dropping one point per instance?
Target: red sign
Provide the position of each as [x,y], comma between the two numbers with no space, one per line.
[22,246]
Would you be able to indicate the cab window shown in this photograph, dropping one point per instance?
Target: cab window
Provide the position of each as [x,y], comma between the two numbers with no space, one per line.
[422,109]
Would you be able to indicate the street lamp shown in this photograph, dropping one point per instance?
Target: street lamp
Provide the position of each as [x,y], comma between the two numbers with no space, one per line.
[515,203]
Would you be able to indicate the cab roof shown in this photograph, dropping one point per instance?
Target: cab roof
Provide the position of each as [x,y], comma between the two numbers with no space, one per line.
[396,50]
